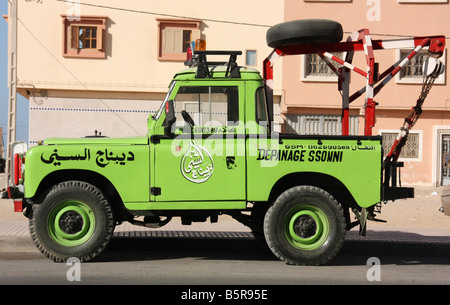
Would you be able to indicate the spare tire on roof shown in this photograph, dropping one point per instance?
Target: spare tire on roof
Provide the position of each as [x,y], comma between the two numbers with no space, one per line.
[306,31]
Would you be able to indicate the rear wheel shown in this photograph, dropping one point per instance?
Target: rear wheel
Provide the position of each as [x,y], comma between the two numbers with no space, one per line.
[74,220]
[305,226]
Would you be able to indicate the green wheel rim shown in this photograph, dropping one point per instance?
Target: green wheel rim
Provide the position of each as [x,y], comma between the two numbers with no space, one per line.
[71,223]
[307,227]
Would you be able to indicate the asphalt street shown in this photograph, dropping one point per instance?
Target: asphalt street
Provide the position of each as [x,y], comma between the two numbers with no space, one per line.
[413,224]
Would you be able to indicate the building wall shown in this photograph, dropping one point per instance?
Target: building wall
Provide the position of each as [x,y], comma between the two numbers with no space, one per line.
[67,95]
[1,143]
[80,114]
[2,157]
[115,94]
[382,18]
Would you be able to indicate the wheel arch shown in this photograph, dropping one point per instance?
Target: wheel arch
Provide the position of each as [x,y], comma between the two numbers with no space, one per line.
[326,182]
[96,179]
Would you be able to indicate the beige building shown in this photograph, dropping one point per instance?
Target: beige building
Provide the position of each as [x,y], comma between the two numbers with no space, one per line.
[91,65]
[312,103]
[2,154]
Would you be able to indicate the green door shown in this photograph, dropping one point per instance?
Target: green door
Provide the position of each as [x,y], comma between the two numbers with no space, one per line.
[205,159]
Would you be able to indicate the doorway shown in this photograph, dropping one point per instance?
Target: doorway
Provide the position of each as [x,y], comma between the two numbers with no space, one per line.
[445,161]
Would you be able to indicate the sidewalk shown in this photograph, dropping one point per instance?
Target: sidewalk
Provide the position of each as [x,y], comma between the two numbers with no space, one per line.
[411,221]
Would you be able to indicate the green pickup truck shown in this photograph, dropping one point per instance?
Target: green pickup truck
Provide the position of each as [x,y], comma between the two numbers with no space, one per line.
[210,151]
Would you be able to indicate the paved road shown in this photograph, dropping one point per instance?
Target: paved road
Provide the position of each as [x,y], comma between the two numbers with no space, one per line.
[234,261]
[225,253]
[14,235]
[228,255]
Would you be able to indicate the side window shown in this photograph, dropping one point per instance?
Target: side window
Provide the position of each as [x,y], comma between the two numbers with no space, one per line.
[262,116]
[208,106]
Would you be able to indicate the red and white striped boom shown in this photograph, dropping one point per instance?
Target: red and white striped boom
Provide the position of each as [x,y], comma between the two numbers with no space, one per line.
[358,41]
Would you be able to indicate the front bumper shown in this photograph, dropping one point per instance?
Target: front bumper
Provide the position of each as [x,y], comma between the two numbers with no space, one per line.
[16,194]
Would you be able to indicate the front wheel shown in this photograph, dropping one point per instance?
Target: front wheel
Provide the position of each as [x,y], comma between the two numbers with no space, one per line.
[74,220]
[305,226]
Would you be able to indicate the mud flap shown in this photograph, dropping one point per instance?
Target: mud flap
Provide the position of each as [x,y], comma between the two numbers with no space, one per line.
[390,190]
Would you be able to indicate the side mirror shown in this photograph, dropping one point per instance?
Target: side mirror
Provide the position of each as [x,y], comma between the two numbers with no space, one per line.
[170,118]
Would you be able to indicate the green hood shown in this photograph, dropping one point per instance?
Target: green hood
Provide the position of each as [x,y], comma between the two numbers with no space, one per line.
[141,140]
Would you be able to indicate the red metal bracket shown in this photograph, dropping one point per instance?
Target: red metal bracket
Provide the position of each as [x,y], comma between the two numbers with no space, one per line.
[360,41]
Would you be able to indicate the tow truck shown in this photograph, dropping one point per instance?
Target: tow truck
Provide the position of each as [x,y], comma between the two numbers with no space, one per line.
[211,150]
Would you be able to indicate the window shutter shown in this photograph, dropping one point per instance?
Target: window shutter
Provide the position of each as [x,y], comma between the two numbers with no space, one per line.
[172,41]
[195,34]
[99,38]
[175,36]
[74,36]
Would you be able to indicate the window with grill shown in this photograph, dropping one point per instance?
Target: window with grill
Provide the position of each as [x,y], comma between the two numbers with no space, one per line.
[410,151]
[413,69]
[412,72]
[422,1]
[317,124]
[327,0]
[314,68]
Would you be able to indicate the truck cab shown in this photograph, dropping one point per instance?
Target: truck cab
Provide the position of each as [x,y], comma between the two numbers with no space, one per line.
[203,124]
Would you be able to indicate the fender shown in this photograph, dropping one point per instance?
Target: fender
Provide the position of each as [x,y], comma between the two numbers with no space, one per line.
[126,167]
[326,182]
[99,181]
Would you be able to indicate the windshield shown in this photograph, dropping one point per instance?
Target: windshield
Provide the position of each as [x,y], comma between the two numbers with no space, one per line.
[161,108]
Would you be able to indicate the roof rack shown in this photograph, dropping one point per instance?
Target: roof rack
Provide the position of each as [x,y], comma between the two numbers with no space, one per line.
[203,65]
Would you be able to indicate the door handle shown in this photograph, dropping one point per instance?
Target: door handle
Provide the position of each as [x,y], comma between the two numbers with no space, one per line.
[231,162]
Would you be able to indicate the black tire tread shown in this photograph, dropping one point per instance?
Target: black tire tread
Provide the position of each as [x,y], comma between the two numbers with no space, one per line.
[305,31]
[109,221]
[288,195]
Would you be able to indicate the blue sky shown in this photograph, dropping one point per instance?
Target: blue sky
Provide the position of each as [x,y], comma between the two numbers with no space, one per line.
[22,103]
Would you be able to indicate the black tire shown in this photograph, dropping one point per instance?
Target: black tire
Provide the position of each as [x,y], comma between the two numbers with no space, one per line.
[73,220]
[307,31]
[305,226]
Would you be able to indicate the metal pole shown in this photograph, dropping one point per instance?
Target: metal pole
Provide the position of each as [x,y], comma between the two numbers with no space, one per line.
[12,22]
